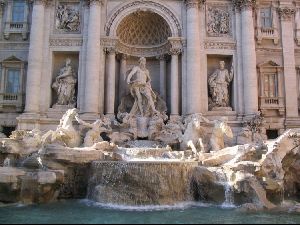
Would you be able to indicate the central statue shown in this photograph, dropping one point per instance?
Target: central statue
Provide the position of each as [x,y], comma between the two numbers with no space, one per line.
[139,82]
[142,111]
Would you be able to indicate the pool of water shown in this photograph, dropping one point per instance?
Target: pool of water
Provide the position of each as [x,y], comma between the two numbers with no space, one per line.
[81,211]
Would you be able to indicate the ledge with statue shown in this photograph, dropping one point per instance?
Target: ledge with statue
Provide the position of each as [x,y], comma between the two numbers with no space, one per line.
[181,159]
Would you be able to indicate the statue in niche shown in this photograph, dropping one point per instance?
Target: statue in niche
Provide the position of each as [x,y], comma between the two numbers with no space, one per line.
[141,90]
[93,135]
[67,19]
[64,85]
[218,83]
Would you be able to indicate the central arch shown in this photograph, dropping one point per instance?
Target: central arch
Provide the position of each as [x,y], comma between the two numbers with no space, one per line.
[147,6]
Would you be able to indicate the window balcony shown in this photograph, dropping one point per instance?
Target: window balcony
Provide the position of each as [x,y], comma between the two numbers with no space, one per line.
[267,33]
[12,101]
[16,28]
[277,103]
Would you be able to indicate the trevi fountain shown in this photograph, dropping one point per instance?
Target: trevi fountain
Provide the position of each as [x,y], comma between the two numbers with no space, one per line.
[144,160]
[149,111]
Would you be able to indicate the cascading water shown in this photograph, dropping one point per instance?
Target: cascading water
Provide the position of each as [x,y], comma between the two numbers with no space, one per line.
[228,194]
[140,183]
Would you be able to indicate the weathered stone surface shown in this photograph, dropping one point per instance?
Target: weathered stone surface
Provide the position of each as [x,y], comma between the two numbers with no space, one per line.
[27,186]
[205,186]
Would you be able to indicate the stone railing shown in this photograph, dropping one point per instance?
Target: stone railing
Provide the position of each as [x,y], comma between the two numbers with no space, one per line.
[267,33]
[276,103]
[12,100]
[16,28]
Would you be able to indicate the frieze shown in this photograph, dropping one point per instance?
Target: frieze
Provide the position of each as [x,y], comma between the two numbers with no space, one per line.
[219,45]
[65,42]
[14,46]
[142,3]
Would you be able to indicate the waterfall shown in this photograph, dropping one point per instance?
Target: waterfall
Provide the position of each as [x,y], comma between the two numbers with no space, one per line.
[228,194]
[140,183]
[229,198]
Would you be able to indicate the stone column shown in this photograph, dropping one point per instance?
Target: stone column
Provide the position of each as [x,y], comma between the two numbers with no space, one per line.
[91,99]
[35,57]
[288,47]
[176,49]
[110,82]
[193,57]
[2,6]
[238,76]
[122,79]
[248,56]
[162,76]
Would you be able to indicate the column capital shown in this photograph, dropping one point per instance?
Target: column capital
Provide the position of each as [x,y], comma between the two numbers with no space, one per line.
[194,3]
[244,4]
[94,2]
[176,45]
[109,44]
[2,3]
[40,2]
[162,57]
[286,13]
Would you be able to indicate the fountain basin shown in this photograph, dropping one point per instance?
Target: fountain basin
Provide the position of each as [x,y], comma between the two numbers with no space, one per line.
[140,183]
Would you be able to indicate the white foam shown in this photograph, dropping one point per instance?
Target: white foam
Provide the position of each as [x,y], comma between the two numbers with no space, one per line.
[177,206]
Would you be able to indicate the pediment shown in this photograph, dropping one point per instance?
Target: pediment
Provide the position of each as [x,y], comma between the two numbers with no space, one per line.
[268,64]
[12,59]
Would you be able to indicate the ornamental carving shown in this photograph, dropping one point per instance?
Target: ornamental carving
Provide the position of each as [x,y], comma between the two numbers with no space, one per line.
[139,4]
[286,13]
[218,22]
[220,45]
[65,42]
[67,18]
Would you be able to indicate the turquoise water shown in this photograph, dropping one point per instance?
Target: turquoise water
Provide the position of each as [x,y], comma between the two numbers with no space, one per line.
[89,213]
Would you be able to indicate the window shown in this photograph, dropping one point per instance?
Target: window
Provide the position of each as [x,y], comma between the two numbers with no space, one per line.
[13,81]
[270,85]
[265,16]
[18,11]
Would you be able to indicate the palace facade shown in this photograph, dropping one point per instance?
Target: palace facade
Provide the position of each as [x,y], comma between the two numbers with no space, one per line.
[184,41]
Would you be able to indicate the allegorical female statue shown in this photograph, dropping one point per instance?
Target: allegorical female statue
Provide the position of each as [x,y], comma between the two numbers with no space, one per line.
[218,83]
[65,84]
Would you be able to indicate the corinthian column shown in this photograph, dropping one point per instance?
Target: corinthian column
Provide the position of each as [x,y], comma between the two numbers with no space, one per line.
[248,55]
[176,49]
[193,57]
[92,84]
[110,94]
[288,47]
[35,57]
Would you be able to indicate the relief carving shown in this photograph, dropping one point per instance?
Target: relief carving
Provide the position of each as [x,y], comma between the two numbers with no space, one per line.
[218,22]
[67,18]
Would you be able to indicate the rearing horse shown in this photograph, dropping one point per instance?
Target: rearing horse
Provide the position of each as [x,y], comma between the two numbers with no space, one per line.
[65,132]
[221,129]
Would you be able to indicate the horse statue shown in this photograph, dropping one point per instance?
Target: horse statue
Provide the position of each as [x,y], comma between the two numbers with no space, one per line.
[192,137]
[220,130]
[65,133]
